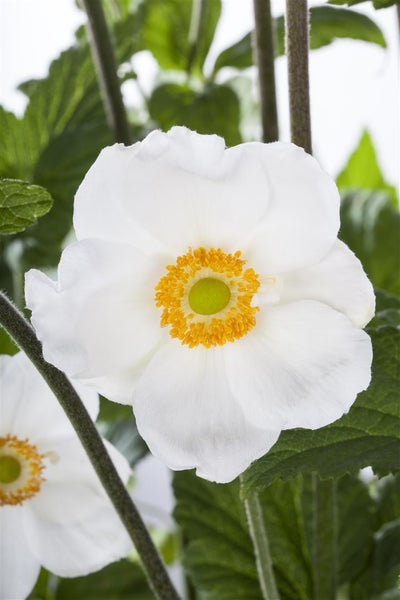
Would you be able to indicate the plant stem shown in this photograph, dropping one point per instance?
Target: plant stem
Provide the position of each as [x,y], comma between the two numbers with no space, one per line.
[24,336]
[265,59]
[106,66]
[324,538]
[195,30]
[260,541]
[299,89]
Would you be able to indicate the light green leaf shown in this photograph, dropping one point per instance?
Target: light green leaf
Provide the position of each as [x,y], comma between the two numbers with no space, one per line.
[368,435]
[362,171]
[376,3]
[21,204]
[166,33]
[370,225]
[7,346]
[326,25]
[215,109]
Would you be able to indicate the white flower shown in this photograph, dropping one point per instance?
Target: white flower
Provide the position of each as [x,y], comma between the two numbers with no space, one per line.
[53,510]
[208,289]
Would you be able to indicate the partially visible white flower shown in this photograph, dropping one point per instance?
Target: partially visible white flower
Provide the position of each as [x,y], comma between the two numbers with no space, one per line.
[208,288]
[53,509]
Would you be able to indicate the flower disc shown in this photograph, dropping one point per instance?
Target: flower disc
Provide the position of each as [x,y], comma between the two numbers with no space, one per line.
[21,469]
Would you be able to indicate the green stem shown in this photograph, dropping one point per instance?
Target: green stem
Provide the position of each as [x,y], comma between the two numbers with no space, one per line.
[324,555]
[106,65]
[262,552]
[265,59]
[299,88]
[195,30]
[24,336]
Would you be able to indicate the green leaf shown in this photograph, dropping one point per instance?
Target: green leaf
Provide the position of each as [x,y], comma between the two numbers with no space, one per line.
[326,25]
[376,3]
[166,33]
[370,226]
[214,109]
[219,555]
[122,433]
[21,204]
[387,309]
[122,580]
[368,435]
[362,171]
[7,346]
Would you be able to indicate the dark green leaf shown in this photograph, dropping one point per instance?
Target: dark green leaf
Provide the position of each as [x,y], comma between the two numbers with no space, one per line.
[326,25]
[370,226]
[368,435]
[7,346]
[215,109]
[388,499]
[362,171]
[123,580]
[219,554]
[122,433]
[166,33]
[387,309]
[21,204]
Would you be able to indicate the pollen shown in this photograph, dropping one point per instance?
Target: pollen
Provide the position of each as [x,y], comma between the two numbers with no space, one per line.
[21,470]
[207,297]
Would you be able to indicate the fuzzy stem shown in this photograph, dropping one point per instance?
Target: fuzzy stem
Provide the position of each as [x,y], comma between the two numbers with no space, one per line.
[265,59]
[262,552]
[24,336]
[106,66]
[299,89]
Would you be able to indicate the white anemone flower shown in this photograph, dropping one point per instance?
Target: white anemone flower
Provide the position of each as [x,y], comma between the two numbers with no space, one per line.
[208,288]
[53,509]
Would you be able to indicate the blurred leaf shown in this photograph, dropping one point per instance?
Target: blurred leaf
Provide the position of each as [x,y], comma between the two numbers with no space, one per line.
[380,580]
[370,225]
[122,580]
[21,204]
[362,171]
[326,25]
[388,499]
[368,435]
[387,309]
[215,109]
[166,32]
[376,3]
[7,346]
[123,434]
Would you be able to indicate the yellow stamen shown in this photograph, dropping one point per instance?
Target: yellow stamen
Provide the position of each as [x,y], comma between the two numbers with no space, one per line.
[22,468]
[222,317]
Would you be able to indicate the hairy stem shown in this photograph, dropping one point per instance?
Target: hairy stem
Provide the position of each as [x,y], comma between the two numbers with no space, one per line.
[299,88]
[260,541]
[106,65]
[24,336]
[265,59]
[324,555]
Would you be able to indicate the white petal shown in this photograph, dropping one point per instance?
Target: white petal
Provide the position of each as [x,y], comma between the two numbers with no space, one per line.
[303,214]
[74,549]
[182,188]
[71,490]
[100,318]
[72,526]
[19,569]
[187,414]
[338,280]
[302,366]
[28,408]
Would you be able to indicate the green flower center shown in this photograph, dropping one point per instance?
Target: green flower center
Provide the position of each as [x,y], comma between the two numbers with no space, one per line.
[10,469]
[209,296]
